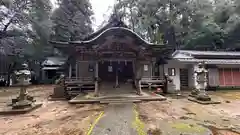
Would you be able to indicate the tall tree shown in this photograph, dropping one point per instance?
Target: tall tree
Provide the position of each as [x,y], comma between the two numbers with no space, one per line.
[22,30]
[72,20]
[191,24]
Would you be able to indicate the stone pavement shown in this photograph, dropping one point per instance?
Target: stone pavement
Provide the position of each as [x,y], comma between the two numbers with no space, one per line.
[118,119]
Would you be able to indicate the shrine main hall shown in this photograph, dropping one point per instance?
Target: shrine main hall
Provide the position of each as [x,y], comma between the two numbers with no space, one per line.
[117,56]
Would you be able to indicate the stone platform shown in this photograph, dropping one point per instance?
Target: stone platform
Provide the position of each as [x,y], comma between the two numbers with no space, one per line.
[123,94]
[116,99]
[9,111]
[203,102]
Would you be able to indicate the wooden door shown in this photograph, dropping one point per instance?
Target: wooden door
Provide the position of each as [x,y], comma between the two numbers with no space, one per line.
[183,78]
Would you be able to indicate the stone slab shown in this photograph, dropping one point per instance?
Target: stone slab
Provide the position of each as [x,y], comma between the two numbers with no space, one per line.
[153,99]
[10,111]
[50,98]
[90,101]
[120,101]
[174,96]
[87,101]
[203,102]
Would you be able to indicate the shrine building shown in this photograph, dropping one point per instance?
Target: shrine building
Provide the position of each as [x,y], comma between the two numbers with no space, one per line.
[115,55]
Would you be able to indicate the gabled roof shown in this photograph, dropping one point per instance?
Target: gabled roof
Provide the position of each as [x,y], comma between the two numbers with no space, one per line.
[111,23]
[115,27]
[113,31]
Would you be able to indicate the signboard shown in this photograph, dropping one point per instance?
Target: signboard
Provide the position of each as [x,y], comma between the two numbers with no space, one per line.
[110,69]
[145,68]
[90,68]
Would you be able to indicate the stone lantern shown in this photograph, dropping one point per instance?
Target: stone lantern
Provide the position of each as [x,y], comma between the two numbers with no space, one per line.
[23,100]
[201,83]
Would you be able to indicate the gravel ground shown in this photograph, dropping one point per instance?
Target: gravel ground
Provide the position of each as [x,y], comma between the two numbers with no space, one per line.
[118,119]
[180,116]
[53,118]
[170,117]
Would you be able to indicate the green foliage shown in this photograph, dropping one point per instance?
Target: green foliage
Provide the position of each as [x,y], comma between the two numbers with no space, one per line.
[191,24]
[72,20]
[26,26]
[24,31]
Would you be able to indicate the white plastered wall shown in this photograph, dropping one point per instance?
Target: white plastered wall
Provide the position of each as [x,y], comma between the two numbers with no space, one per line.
[177,65]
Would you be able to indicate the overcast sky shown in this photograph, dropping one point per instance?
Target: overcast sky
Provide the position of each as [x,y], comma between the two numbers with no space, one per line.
[101,9]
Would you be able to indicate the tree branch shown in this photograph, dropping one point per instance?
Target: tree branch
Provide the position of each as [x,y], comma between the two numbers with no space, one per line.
[8,24]
[11,19]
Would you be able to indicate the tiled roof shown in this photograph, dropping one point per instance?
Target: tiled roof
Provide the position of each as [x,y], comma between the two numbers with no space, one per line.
[212,61]
[213,53]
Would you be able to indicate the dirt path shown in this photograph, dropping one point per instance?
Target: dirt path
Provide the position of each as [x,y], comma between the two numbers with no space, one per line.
[118,119]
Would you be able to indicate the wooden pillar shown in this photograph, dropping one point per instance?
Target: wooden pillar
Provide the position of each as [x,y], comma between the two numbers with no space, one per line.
[139,71]
[151,68]
[70,71]
[76,70]
[43,75]
[96,79]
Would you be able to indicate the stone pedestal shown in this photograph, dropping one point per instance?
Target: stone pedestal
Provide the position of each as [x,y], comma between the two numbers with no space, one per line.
[138,85]
[202,96]
[194,93]
[59,92]
[22,104]
[171,88]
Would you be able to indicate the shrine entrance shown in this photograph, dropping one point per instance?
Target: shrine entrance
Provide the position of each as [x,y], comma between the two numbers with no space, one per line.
[116,72]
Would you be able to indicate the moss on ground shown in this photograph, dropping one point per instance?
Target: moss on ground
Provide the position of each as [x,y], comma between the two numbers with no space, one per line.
[190,128]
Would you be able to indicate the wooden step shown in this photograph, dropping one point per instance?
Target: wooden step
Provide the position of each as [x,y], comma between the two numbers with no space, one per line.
[73,87]
[87,87]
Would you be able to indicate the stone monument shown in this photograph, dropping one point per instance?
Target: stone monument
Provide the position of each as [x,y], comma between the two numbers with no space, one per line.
[201,83]
[59,91]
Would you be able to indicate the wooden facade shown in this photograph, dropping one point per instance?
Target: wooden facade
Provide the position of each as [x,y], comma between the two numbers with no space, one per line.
[114,54]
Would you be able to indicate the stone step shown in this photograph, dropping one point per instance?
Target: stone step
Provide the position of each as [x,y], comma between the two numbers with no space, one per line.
[116,99]
[74,92]
[119,101]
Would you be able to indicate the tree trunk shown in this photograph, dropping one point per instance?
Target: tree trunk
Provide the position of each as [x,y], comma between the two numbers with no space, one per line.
[9,72]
